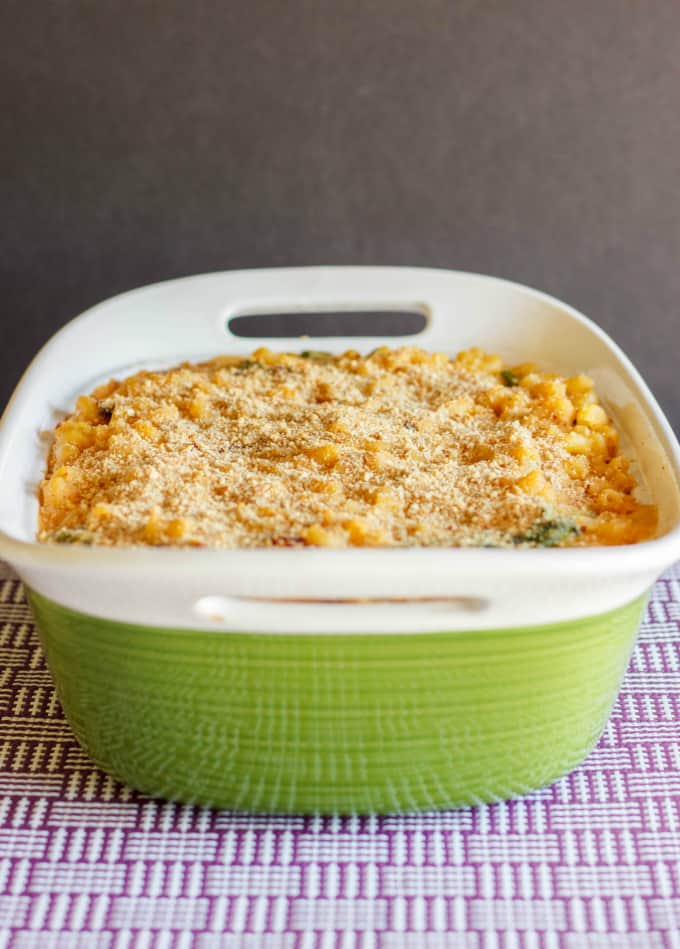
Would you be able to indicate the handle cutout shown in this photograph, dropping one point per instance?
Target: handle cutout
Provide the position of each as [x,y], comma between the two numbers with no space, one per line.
[334,322]
[218,608]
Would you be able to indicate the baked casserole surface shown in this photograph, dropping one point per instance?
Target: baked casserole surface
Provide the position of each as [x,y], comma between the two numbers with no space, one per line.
[398,448]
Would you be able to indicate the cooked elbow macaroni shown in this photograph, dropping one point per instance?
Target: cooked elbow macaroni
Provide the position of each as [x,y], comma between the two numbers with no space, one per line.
[399,448]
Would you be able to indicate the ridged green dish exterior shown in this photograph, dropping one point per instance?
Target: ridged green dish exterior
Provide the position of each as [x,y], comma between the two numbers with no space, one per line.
[336,723]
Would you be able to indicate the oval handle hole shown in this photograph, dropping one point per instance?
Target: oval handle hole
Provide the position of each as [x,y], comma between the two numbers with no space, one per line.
[217,608]
[322,323]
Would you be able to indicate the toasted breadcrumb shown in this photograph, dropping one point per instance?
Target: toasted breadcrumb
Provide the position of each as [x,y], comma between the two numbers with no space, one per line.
[398,448]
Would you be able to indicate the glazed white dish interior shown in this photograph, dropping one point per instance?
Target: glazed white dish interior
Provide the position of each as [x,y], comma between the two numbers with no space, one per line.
[188,319]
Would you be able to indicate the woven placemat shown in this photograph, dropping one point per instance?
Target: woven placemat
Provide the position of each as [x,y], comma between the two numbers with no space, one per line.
[592,861]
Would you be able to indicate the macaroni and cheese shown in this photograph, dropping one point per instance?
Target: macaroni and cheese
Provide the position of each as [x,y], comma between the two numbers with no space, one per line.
[398,448]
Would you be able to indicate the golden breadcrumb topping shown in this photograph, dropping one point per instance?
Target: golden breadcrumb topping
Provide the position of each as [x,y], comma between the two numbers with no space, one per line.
[398,448]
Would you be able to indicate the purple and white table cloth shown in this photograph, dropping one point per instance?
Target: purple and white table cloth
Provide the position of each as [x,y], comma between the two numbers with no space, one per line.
[593,861]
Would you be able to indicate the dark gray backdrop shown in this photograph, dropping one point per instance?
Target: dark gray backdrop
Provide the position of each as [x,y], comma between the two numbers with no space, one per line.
[154,138]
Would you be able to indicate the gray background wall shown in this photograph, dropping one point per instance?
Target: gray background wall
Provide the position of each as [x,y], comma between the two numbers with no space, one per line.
[534,140]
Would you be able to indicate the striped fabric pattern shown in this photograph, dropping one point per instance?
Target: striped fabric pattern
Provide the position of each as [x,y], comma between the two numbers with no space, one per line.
[592,862]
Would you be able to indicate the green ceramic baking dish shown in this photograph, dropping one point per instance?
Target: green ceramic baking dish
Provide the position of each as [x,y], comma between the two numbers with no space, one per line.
[334,681]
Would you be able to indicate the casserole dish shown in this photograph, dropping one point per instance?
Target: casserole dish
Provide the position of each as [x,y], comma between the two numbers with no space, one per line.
[334,680]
